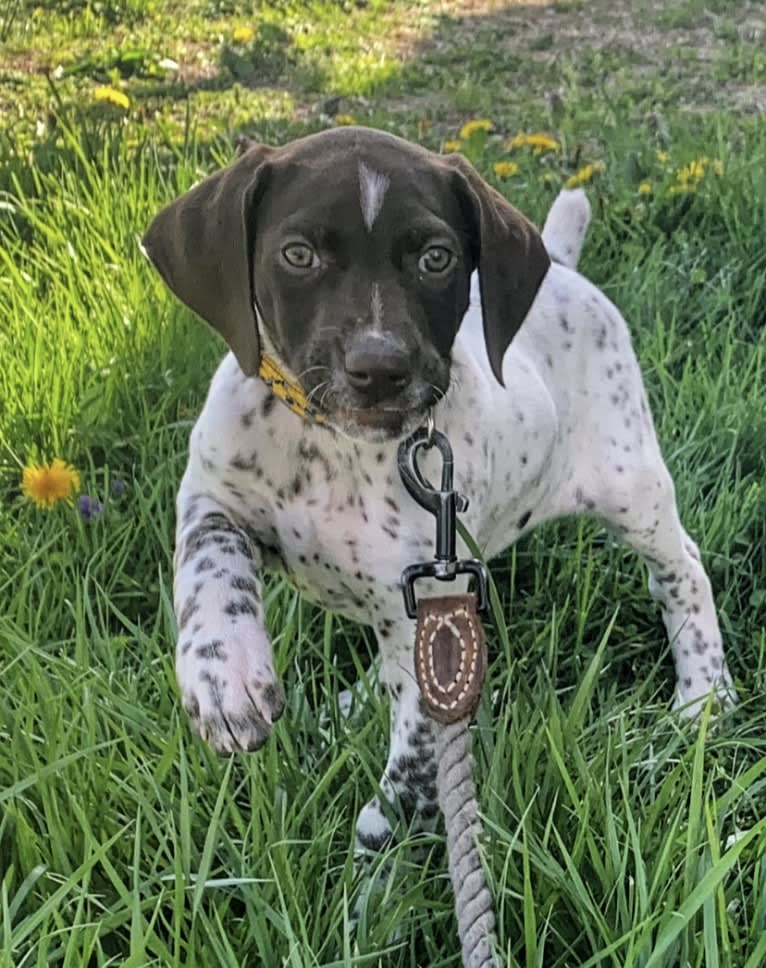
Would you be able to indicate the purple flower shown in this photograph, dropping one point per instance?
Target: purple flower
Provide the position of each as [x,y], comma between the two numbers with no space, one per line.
[118,487]
[89,507]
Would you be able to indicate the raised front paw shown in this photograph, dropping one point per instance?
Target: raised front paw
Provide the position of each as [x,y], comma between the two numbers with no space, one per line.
[231,712]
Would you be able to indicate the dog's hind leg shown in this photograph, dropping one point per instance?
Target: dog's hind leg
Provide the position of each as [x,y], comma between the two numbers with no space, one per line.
[641,509]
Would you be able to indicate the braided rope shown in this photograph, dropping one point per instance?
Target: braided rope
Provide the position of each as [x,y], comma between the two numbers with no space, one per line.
[457,799]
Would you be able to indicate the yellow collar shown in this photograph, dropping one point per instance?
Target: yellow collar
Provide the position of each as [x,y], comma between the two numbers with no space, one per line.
[290,392]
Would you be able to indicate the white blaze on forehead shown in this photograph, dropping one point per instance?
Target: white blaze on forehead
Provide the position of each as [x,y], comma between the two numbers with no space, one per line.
[372,191]
[376,307]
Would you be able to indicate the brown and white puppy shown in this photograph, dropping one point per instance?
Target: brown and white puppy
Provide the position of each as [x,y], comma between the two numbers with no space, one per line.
[389,281]
[363,303]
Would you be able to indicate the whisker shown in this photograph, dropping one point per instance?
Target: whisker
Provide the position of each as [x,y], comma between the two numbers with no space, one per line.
[309,369]
[316,389]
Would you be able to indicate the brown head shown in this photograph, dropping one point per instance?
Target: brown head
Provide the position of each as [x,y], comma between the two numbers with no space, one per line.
[352,251]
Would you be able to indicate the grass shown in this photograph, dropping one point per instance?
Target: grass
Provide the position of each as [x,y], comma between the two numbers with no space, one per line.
[616,835]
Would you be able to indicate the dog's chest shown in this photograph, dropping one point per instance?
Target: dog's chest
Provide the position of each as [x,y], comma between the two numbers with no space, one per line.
[345,546]
[344,542]
[332,514]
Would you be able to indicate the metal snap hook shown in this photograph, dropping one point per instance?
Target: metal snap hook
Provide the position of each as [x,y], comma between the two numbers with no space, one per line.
[444,503]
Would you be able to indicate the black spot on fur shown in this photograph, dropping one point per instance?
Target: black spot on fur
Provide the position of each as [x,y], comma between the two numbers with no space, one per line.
[190,607]
[241,606]
[240,463]
[191,705]
[211,650]
[244,584]
[375,842]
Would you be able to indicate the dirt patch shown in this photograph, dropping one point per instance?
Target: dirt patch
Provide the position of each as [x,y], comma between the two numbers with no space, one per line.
[681,41]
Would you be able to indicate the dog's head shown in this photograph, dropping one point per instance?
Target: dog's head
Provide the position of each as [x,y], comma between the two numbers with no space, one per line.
[351,251]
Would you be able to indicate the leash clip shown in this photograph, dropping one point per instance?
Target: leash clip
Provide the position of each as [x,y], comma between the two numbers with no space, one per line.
[444,503]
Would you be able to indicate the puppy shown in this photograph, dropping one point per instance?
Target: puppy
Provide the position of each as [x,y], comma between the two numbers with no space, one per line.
[381,283]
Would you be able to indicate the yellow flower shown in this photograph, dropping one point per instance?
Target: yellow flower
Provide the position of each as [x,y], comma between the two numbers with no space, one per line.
[662,157]
[472,127]
[584,175]
[693,172]
[112,96]
[538,141]
[689,177]
[342,119]
[47,484]
[454,145]
[645,188]
[242,35]
[506,169]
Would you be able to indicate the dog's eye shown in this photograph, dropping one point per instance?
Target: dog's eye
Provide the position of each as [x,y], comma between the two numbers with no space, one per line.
[435,259]
[300,256]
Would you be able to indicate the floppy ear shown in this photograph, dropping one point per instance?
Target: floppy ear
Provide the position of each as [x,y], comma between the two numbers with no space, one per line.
[202,246]
[509,254]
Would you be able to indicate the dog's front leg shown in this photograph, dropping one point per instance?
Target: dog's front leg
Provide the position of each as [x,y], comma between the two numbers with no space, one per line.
[224,659]
[408,785]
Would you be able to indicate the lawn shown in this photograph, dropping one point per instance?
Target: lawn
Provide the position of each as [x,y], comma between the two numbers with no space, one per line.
[615,834]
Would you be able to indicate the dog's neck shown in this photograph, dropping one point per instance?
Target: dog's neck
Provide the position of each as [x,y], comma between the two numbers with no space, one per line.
[281,380]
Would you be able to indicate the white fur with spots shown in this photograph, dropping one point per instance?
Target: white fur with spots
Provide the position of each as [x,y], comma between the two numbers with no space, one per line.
[570,432]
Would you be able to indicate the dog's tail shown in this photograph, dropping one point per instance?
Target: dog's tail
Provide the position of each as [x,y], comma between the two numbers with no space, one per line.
[566,225]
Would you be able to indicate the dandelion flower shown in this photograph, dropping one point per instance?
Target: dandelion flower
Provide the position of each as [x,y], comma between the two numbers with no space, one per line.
[689,177]
[584,175]
[111,95]
[663,157]
[343,119]
[693,172]
[645,188]
[474,127]
[242,35]
[506,169]
[539,141]
[47,484]
[455,144]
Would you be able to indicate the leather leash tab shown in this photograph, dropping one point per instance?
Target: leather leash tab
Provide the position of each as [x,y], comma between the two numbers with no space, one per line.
[450,656]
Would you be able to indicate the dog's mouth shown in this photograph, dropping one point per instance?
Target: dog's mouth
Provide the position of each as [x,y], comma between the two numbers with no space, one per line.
[392,418]
[379,423]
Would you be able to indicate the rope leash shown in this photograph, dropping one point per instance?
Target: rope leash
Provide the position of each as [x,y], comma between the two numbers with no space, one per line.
[457,799]
[450,664]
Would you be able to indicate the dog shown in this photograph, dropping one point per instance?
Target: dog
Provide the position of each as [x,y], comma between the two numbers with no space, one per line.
[386,283]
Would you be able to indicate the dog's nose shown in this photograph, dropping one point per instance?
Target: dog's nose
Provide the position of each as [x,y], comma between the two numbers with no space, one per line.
[377,366]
